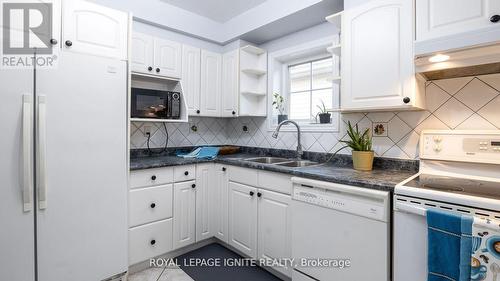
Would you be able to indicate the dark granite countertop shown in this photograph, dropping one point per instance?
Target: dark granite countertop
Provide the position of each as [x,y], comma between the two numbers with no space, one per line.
[385,175]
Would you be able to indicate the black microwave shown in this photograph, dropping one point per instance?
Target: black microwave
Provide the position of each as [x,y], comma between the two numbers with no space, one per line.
[155,104]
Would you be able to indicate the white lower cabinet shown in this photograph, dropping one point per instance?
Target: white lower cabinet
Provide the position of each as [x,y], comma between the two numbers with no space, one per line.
[150,240]
[205,201]
[184,214]
[243,218]
[245,208]
[150,204]
[220,191]
[274,227]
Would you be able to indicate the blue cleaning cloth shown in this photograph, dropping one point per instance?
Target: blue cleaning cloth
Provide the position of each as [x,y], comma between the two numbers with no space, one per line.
[206,152]
[449,246]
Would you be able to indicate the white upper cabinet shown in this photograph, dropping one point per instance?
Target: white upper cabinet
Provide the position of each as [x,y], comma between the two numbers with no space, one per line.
[142,53]
[191,75]
[211,71]
[230,84]
[167,58]
[377,57]
[93,29]
[438,18]
[156,56]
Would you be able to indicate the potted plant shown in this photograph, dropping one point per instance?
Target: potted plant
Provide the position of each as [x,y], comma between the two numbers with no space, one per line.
[361,145]
[279,104]
[324,115]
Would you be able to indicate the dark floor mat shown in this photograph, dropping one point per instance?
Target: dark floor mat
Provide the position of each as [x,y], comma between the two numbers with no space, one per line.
[221,273]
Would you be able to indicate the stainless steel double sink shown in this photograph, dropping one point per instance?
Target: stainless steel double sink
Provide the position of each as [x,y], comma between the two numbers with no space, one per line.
[284,162]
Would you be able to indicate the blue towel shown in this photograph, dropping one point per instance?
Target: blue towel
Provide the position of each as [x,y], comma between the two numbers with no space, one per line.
[450,246]
[206,152]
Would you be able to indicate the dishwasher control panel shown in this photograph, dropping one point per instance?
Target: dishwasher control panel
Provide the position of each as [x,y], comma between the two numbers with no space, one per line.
[356,205]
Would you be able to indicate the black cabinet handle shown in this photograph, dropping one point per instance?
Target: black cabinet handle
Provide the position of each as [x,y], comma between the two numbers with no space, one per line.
[153,205]
[198,111]
[152,242]
[53,41]
[406,100]
[150,68]
[186,173]
[495,18]
[153,178]
[157,70]
[193,185]
[68,43]
[224,169]
[234,112]
[259,194]
[251,193]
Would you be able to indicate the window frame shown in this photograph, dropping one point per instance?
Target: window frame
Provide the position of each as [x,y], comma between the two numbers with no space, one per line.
[278,77]
[287,81]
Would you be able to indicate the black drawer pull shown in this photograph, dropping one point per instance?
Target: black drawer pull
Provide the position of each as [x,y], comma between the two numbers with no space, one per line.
[186,173]
[153,178]
[193,185]
[153,205]
[251,193]
[152,242]
[495,18]
[224,169]
[259,194]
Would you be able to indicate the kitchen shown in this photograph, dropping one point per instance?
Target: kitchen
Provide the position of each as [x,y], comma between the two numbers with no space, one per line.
[250,140]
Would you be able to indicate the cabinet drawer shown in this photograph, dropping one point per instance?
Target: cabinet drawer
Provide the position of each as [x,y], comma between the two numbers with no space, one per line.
[243,175]
[149,241]
[275,182]
[184,173]
[151,177]
[150,204]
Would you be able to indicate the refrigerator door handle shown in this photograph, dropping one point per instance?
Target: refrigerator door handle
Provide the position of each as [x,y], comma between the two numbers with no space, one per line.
[41,153]
[27,153]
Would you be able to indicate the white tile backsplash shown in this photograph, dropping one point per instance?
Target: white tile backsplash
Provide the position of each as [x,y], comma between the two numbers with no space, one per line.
[459,103]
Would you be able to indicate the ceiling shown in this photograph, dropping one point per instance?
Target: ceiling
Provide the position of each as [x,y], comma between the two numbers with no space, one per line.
[217,10]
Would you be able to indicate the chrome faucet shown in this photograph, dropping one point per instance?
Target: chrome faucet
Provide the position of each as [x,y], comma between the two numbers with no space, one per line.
[299,145]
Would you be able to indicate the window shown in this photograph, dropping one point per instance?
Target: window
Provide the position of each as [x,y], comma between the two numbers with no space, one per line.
[310,85]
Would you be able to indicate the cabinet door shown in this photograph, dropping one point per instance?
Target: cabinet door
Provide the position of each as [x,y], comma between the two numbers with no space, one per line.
[184,214]
[93,29]
[204,201]
[377,56]
[142,53]
[243,218]
[438,18]
[230,84]
[191,75]
[167,58]
[211,71]
[220,191]
[274,227]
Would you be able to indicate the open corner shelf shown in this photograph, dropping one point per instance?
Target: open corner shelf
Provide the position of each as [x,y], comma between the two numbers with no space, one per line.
[335,49]
[253,50]
[252,93]
[254,71]
[336,19]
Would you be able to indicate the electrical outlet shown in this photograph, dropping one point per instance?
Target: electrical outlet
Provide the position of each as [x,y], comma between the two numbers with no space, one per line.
[245,128]
[147,130]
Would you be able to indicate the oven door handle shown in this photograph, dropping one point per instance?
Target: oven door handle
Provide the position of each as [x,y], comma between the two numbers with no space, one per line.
[410,209]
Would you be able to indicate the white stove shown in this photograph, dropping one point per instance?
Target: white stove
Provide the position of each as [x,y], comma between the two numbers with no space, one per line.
[459,172]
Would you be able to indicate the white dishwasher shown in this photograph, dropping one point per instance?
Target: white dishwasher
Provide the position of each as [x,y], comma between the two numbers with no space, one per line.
[339,232]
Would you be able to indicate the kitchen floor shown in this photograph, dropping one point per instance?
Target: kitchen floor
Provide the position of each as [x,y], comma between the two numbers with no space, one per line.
[160,274]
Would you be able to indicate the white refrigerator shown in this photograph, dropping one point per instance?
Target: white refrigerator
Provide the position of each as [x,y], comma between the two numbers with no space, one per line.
[63,170]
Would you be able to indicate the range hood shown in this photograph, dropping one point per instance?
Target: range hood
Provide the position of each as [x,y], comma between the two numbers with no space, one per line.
[474,61]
